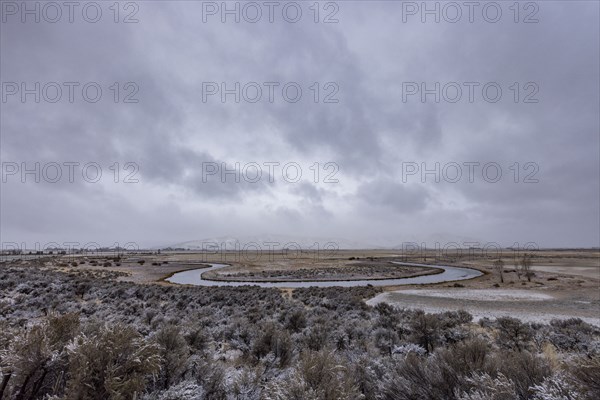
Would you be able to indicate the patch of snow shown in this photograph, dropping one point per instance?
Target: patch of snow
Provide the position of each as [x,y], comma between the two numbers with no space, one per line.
[476,307]
[480,294]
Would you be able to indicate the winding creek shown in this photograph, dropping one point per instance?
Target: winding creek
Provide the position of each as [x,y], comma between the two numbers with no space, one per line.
[449,274]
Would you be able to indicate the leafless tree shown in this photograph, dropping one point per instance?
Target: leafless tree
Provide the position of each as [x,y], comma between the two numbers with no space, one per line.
[499,267]
[526,267]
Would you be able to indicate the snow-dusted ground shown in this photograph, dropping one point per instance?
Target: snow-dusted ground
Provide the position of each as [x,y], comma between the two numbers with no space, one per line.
[526,305]
[589,271]
[481,294]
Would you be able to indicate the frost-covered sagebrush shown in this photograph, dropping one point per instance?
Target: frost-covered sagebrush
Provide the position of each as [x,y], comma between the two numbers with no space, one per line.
[86,335]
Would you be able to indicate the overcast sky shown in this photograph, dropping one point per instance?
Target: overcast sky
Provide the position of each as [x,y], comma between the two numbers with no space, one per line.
[361,116]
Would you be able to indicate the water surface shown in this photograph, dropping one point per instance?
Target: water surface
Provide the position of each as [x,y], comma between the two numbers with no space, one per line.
[449,274]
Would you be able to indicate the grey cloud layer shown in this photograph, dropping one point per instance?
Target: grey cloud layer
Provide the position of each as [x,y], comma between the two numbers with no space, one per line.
[369,133]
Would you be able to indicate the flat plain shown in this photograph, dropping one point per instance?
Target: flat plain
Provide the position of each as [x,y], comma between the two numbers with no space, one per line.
[562,284]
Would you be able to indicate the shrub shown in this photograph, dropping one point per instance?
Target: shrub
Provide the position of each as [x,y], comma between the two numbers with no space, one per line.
[425,330]
[524,369]
[319,375]
[586,374]
[187,390]
[296,321]
[555,387]
[112,362]
[275,342]
[413,378]
[465,358]
[174,352]
[513,334]
[385,340]
[247,386]
[38,356]
[571,334]
[388,316]
[316,336]
[486,387]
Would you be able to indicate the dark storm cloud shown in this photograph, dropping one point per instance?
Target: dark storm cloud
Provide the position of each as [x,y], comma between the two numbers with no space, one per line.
[172,134]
